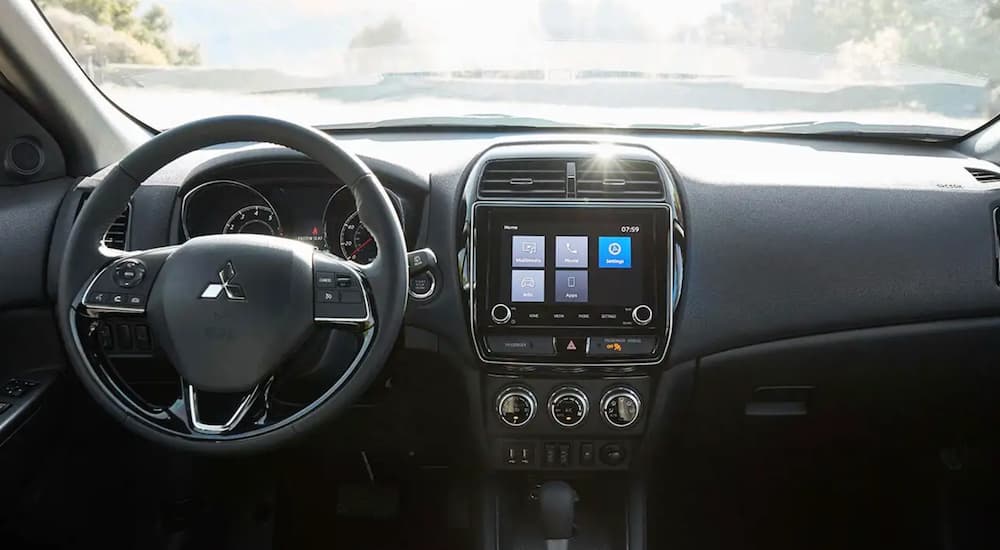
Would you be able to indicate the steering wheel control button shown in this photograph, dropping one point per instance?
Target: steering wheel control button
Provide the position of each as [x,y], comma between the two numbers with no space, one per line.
[324,280]
[642,315]
[620,406]
[516,406]
[338,293]
[500,314]
[340,312]
[351,297]
[521,345]
[568,406]
[422,285]
[421,260]
[129,273]
[98,297]
[621,346]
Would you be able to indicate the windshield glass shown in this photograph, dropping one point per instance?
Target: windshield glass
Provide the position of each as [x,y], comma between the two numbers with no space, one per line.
[890,66]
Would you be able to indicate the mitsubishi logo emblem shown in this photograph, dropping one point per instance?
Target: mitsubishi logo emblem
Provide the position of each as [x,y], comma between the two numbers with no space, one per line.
[227,275]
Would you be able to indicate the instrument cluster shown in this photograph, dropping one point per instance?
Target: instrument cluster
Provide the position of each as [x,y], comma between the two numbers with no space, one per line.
[318,213]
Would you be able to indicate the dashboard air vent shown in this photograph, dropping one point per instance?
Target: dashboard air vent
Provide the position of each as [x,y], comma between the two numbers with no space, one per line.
[618,178]
[984,176]
[115,236]
[538,178]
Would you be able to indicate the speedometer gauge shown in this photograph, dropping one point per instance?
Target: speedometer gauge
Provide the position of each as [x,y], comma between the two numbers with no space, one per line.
[258,220]
[356,242]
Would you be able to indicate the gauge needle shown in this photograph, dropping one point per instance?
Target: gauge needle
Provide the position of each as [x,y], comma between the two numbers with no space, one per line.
[358,249]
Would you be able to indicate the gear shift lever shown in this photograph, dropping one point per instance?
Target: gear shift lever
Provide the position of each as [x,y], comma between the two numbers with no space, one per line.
[556,501]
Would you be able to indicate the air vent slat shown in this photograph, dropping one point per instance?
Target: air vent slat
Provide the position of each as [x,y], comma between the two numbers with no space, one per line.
[523,178]
[618,178]
[117,232]
[984,176]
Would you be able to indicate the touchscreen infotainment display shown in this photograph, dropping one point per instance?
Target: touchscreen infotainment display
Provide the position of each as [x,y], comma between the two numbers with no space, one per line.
[573,266]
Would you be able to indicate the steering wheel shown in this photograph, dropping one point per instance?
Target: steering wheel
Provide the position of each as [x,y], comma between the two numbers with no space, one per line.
[230,312]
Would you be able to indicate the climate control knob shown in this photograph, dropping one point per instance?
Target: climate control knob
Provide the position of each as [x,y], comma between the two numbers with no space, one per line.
[500,314]
[620,406]
[568,406]
[642,314]
[516,406]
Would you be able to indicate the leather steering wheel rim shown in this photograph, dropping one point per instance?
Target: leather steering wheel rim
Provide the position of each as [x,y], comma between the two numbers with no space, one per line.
[386,277]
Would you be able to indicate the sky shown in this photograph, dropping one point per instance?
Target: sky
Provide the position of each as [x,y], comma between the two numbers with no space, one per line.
[300,35]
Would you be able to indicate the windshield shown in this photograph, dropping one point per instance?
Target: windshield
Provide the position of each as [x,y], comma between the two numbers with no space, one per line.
[912,67]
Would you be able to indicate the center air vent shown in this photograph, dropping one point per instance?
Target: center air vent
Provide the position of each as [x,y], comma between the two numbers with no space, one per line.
[984,176]
[618,178]
[539,178]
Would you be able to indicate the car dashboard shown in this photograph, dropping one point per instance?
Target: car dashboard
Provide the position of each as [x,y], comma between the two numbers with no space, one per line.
[577,283]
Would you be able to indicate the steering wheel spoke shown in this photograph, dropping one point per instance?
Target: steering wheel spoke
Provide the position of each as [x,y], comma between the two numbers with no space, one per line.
[123,285]
[341,293]
[219,413]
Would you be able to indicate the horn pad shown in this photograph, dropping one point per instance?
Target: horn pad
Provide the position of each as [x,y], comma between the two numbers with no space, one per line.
[228,309]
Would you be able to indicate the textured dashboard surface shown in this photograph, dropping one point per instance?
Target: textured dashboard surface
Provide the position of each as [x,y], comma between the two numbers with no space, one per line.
[784,236]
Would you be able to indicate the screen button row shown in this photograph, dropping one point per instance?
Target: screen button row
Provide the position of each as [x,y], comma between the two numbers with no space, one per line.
[568,347]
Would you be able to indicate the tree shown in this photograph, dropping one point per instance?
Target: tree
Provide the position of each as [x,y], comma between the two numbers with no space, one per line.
[960,35]
[386,33]
[111,31]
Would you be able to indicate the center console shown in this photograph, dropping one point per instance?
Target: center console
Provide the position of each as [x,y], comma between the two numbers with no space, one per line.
[571,272]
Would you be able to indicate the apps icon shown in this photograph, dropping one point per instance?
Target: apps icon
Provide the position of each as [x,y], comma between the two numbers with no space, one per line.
[571,251]
[528,251]
[614,252]
[571,286]
[527,285]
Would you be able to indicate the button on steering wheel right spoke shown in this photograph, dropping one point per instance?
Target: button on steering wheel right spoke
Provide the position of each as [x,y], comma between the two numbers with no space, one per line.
[340,294]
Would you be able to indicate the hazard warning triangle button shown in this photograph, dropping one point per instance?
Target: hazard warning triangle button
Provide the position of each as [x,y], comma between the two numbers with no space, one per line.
[571,346]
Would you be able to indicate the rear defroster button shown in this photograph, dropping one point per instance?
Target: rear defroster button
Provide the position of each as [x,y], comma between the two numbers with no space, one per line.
[521,345]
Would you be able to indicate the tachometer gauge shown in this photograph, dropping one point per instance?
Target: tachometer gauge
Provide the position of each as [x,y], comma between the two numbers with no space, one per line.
[356,242]
[258,220]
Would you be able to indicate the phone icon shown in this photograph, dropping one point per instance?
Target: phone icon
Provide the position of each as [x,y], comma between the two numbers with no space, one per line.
[571,251]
